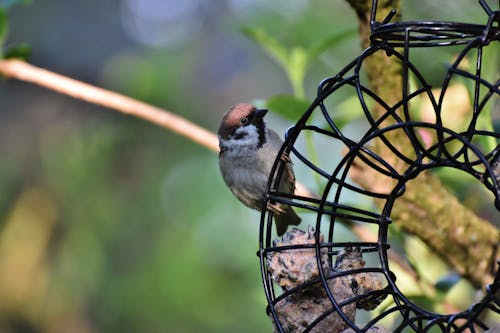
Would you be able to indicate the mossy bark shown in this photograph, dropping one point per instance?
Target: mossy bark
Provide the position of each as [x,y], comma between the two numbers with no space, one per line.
[427,209]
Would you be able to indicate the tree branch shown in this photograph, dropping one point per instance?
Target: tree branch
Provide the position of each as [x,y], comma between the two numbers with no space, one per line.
[95,95]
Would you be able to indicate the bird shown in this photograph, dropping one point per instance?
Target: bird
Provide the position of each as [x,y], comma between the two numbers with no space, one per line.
[248,149]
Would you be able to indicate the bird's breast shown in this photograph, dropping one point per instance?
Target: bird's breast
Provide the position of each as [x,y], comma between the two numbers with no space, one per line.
[243,169]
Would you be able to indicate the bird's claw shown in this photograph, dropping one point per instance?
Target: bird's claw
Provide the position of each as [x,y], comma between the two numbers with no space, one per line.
[275,208]
[286,158]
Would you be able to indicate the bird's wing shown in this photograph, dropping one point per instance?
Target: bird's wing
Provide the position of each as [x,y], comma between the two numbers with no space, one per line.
[287,181]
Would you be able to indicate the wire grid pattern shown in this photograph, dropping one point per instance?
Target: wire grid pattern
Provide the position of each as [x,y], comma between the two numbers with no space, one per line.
[444,147]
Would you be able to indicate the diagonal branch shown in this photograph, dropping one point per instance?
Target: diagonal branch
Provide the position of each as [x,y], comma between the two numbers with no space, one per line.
[95,95]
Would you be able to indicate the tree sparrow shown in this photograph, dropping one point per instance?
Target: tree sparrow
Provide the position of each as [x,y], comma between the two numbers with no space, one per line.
[247,153]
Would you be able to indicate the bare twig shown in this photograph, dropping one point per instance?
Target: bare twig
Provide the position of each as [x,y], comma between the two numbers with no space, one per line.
[92,94]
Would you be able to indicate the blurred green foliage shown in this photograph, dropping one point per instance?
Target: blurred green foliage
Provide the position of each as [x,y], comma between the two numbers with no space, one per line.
[109,224]
[3,28]
[18,50]
[9,3]
[296,60]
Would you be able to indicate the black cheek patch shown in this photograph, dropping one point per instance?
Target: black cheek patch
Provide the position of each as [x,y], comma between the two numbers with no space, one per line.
[240,135]
[261,129]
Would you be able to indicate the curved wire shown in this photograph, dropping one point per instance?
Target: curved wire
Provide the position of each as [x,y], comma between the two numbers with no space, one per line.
[397,39]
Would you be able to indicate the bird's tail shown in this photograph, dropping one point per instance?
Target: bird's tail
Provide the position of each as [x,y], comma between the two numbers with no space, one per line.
[283,220]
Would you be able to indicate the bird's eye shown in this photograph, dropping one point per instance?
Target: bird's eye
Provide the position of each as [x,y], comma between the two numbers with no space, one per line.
[244,120]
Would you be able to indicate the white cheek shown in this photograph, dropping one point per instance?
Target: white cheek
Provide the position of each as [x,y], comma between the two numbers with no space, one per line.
[250,140]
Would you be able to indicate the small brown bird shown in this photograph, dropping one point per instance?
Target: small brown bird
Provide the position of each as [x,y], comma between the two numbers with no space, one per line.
[247,153]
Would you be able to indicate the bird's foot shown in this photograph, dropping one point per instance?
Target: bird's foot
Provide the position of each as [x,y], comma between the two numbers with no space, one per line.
[276,208]
[286,158]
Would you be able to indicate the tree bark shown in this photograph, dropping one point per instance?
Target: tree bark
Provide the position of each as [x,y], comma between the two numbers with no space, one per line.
[427,209]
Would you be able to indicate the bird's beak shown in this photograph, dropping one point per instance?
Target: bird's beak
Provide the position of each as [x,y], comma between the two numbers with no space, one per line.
[260,113]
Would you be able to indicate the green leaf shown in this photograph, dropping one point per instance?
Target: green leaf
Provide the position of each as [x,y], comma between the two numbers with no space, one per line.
[349,110]
[287,106]
[296,69]
[430,268]
[460,294]
[273,47]
[425,302]
[19,51]
[323,45]
[294,62]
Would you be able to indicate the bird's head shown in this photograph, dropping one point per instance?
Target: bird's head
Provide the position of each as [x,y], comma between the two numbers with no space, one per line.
[242,126]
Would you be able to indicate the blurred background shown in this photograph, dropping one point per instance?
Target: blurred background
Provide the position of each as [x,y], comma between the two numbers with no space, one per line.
[111,224]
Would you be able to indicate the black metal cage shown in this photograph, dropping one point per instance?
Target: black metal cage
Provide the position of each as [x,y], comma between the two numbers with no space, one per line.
[432,144]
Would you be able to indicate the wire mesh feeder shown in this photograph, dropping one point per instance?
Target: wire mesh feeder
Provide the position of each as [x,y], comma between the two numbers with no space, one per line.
[315,280]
